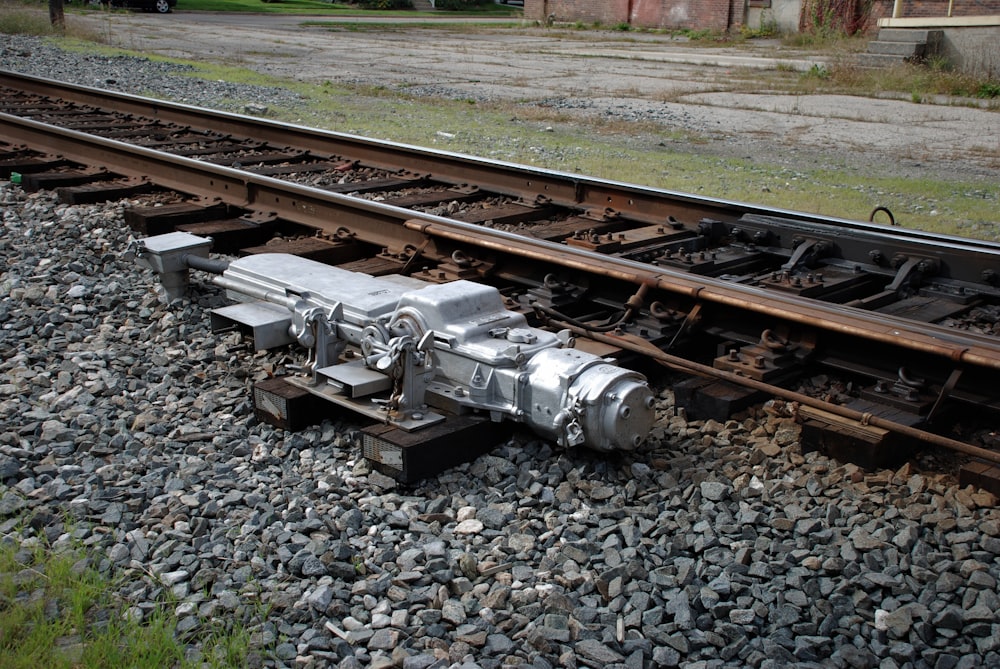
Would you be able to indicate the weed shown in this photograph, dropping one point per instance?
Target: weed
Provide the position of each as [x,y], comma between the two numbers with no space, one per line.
[768,27]
[829,18]
[622,27]
[20,19]
[938,63]
[915,81]
[56,610]
[817,71]
[700,35]
[988,89]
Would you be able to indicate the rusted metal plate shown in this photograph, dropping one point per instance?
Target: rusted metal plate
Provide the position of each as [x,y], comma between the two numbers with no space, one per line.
[758,362]
[725,261]
[829,283]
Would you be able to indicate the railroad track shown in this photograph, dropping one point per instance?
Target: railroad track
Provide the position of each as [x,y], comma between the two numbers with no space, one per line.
[751,301]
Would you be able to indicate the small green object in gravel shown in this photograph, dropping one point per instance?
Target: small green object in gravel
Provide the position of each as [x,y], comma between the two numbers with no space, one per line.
[15,178]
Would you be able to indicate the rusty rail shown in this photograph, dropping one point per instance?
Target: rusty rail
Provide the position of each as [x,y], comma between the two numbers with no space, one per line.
[384,225]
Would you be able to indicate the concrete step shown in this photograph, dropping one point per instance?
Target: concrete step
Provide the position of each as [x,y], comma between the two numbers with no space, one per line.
[904,34]
[879,60]
[904,49]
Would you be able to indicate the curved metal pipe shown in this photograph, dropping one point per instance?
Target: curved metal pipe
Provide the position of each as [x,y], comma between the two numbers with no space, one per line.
[206,264]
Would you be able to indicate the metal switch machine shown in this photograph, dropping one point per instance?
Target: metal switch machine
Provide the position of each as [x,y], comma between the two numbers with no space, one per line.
[426,361]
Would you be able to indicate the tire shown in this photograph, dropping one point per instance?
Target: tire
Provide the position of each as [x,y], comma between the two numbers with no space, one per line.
[162,6]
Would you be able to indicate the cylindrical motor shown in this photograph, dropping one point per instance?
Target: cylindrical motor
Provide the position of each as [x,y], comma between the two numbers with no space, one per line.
[580,399]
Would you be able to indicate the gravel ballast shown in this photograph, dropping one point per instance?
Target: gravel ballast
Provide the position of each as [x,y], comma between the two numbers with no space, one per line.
[140,76]
[126,427]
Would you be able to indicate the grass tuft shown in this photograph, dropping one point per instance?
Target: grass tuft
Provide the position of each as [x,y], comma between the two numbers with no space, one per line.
[31,17]
[58,611]
[25,18]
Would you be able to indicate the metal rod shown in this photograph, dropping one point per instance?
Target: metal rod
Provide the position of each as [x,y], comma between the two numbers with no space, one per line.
[256,292]
[689,366]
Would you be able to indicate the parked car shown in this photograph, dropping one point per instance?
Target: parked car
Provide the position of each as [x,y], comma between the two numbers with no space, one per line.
[161,6]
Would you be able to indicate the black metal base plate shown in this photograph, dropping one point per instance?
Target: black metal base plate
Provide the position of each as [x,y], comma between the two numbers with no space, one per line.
[411,456]
[709,398]
[279,403]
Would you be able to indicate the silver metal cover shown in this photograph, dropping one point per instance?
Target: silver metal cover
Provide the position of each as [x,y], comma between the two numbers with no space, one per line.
[268,323]
[363,296]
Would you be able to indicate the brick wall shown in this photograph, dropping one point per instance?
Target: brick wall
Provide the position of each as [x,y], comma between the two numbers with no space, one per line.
[922,8]
[571,11]
[723,15]
[716,15]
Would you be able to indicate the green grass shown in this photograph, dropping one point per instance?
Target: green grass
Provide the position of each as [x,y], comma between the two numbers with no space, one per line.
[258,6]
[636,153]
[918,82]
[58,611]
[16,19]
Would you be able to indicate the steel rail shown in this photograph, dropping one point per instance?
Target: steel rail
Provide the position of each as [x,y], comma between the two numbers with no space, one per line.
[387,225]
[957,346]
[561,188]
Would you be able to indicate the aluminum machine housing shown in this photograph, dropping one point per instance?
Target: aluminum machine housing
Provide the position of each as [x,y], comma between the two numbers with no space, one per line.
[412,354]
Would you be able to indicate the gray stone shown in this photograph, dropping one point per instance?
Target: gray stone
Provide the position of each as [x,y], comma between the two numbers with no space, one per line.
[285,651]
[321,597]
[453,612]
[595,651]
[714,490]
[383,639]
[897,623]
